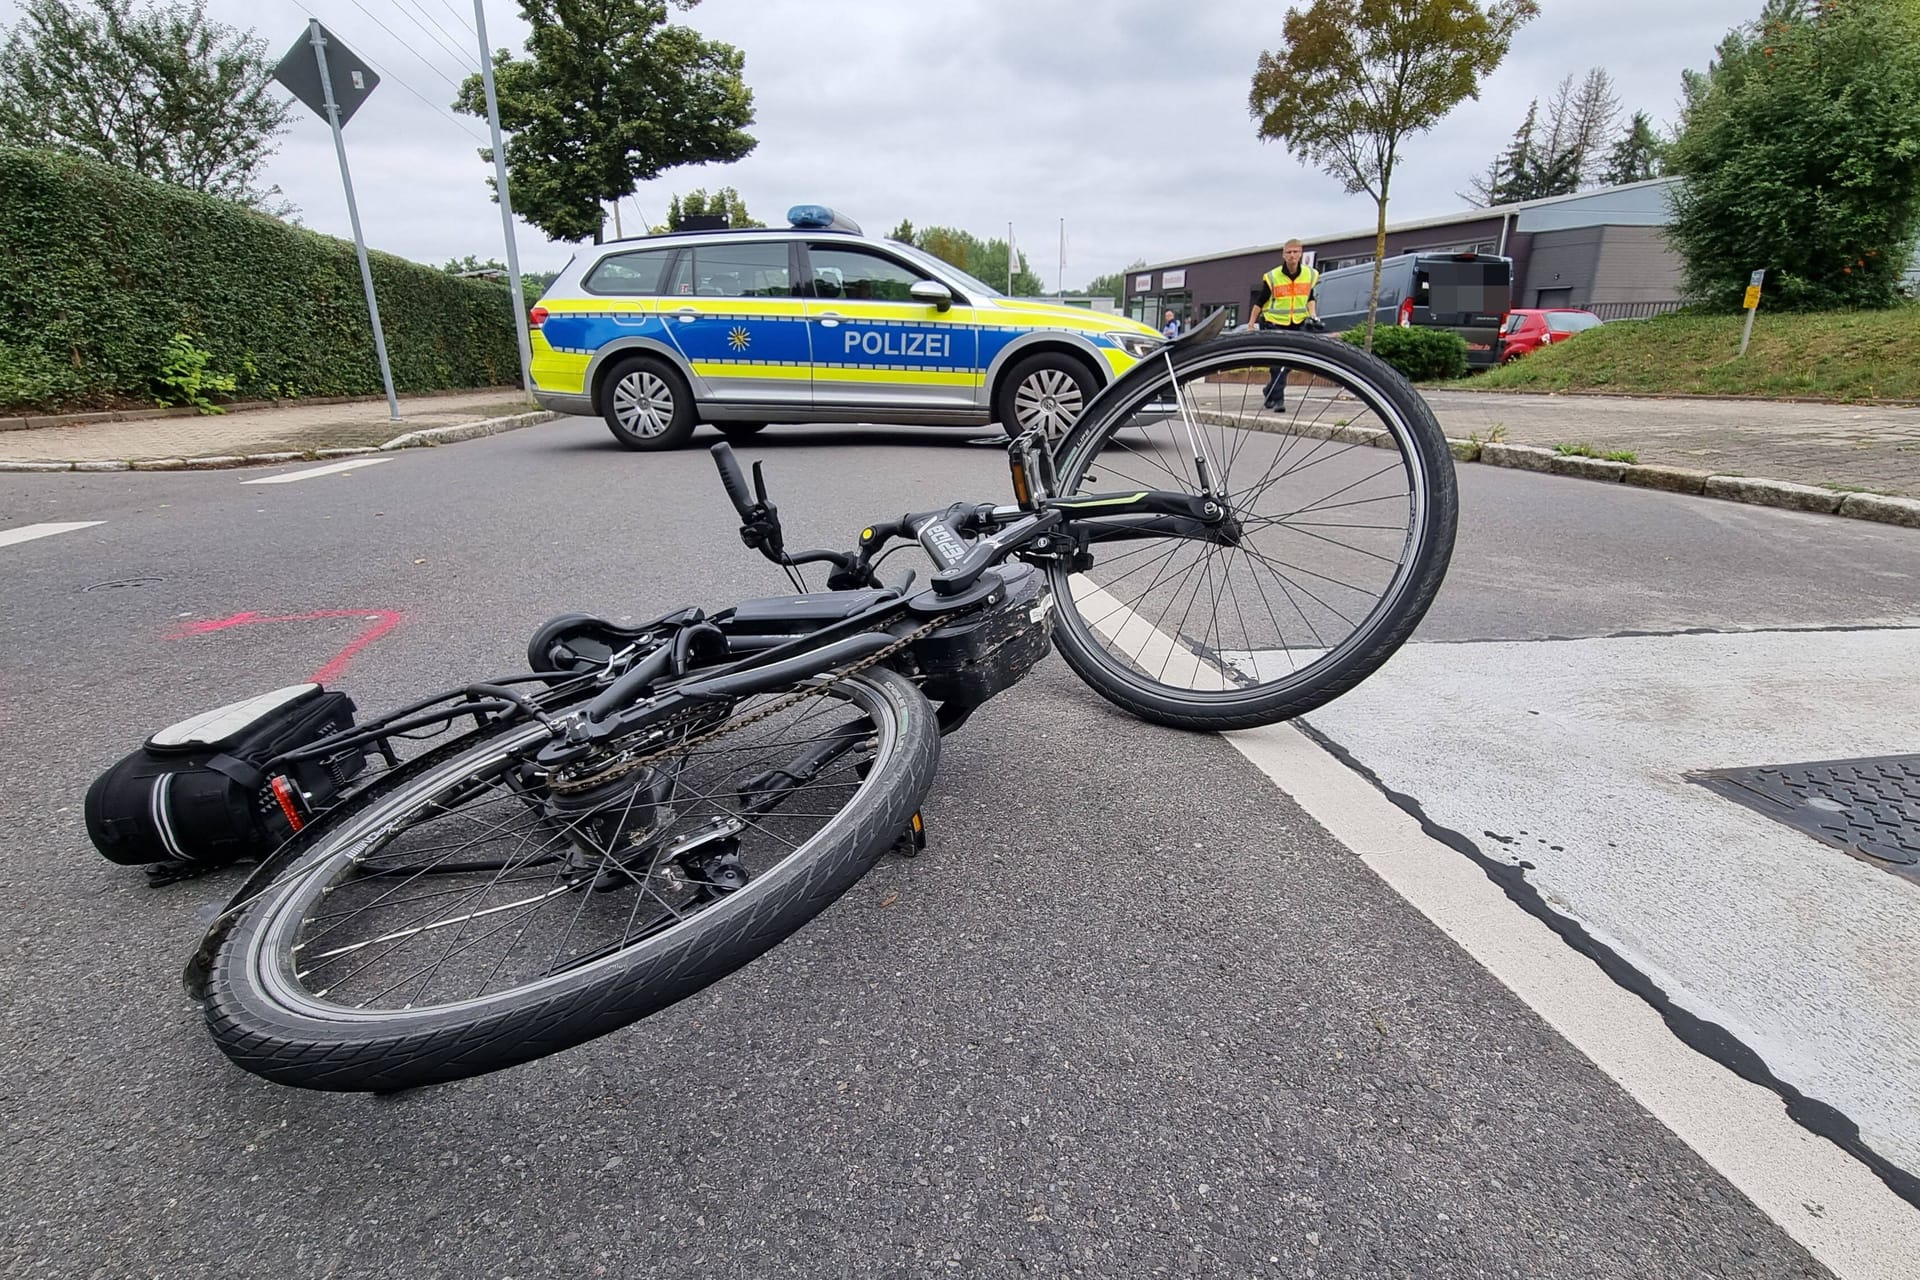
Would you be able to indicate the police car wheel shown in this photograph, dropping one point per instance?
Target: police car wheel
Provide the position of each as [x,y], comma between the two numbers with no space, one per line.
[646,405]
[1047,391]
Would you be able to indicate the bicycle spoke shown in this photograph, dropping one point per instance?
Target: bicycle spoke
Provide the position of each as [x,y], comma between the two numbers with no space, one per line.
[521,889]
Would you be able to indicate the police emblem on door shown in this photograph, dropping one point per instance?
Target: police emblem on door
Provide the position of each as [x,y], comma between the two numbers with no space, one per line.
[739,339]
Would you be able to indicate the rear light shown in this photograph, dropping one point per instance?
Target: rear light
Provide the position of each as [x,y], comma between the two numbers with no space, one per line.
[1406,312]
[537,317]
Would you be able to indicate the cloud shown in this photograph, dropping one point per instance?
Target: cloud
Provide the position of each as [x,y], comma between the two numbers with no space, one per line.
[1127,119]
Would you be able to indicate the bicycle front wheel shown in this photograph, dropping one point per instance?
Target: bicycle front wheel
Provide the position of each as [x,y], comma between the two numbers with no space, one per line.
[1341,507]
[488,911]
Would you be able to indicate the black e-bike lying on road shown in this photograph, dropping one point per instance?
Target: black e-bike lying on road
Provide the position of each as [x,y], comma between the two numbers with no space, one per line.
[649,808]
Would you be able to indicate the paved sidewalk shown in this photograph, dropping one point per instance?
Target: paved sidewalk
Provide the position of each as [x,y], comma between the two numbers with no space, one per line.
[1850,447]
[296,428]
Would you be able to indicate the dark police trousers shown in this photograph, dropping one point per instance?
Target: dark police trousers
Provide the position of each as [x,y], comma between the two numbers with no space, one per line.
[1277,384]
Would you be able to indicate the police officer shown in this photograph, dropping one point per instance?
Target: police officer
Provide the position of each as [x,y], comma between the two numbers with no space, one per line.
[1286,300]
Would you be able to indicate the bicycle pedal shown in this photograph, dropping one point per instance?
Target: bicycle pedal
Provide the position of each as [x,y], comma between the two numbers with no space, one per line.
[913,839]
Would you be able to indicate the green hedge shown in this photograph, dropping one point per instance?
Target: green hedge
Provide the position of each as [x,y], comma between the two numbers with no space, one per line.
[1421,354]
[101,267]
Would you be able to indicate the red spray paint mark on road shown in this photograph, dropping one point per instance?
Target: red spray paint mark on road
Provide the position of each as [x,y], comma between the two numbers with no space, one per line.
[383,620]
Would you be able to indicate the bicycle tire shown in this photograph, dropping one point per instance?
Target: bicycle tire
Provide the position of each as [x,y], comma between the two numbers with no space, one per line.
[1234,692]
[266,1021]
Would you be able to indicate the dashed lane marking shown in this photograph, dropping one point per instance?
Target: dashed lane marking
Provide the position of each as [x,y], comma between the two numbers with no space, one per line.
[27,533]
[351,464]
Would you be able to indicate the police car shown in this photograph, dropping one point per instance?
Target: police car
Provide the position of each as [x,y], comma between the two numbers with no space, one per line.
[814,322]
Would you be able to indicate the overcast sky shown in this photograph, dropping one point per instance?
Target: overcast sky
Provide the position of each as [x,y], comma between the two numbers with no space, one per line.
[1126,118]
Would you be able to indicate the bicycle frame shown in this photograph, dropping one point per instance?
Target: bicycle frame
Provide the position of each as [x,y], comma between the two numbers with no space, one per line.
[691,658]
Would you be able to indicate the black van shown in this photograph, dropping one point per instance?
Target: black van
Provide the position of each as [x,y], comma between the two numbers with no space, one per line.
[1469,293]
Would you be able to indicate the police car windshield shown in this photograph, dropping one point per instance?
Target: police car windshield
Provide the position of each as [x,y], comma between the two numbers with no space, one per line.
[946,268]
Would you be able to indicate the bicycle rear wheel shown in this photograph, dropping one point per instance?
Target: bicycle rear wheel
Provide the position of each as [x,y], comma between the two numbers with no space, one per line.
[1342,509]
[486,912]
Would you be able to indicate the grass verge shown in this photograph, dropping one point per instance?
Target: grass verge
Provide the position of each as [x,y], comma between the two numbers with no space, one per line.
[1848,356]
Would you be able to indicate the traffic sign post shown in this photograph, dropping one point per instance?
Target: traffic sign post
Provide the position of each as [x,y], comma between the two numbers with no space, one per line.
[1753,305]
[333,82]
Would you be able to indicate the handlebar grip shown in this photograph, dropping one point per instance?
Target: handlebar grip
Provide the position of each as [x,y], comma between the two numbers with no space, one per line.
[732,479]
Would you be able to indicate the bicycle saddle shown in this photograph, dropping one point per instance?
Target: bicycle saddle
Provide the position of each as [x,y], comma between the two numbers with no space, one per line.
[580,642]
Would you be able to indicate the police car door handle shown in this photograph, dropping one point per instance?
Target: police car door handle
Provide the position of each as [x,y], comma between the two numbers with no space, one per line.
[828,319]
[687,313]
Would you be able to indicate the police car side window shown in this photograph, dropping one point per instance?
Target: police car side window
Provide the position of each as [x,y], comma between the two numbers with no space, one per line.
[742,271]
[860,274]
[630,273]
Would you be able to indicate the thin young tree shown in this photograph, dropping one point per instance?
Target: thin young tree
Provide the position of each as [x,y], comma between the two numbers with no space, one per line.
[1354,79]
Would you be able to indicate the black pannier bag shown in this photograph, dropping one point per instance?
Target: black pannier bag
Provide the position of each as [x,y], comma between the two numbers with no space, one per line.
[210,790]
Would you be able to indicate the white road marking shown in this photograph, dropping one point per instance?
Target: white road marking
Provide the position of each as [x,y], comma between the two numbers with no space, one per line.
[1829,1202]
[351,464]
[27,533]
[1821,1196]
[1573,756]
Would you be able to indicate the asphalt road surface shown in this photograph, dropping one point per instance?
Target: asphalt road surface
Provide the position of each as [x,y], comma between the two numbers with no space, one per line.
[1134,1012]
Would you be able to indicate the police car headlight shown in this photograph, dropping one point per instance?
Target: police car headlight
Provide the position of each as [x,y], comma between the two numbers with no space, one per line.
[1137,345]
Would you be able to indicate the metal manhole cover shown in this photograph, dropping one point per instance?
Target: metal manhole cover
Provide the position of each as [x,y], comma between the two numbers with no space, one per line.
[122,582]
[1869,808]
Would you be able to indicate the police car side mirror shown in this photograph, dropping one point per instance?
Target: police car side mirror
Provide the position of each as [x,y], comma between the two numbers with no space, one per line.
[932,291]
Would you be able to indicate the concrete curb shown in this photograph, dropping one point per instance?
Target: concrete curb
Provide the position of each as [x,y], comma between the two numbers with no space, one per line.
[469,430]
[221,462]
[1749,489]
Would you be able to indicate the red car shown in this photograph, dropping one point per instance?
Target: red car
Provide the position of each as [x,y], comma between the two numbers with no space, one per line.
[1530,328]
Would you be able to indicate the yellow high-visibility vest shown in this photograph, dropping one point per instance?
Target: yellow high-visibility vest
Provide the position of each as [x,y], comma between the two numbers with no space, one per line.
[1288,305]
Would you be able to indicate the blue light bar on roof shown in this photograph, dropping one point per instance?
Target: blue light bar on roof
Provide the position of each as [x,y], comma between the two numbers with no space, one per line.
[818,216]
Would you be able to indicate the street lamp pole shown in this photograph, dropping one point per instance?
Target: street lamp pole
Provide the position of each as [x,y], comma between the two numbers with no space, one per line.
[506,200]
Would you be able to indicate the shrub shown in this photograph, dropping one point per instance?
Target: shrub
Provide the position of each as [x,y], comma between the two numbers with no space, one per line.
[102,268]
[1423,355]
[183,376]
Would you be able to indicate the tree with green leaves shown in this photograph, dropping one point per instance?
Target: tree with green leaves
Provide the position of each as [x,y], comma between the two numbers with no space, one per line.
[1636,156]
[1354,79]
[903,233]
[611,95]
[725,203]
[982,259]
[156,89]
[470,265]
[1113,286]
[1799,153]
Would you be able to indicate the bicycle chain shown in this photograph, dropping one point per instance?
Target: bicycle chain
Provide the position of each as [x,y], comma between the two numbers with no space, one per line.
[733,723]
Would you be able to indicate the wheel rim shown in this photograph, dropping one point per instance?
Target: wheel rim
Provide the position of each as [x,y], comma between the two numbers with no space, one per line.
[643,403]
[1331,499]
[1049,399]
[464,887]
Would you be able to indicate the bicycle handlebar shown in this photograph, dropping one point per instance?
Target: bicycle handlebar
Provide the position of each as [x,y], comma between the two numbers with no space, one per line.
[732,479]
[962,540]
